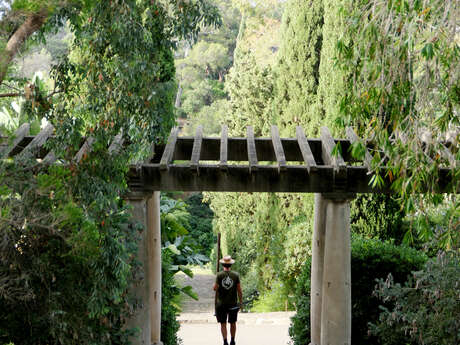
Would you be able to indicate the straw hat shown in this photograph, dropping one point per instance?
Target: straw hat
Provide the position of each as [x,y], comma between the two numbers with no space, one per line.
[227,260]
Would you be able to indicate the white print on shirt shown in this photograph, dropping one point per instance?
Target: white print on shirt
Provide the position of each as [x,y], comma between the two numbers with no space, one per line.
[227,283]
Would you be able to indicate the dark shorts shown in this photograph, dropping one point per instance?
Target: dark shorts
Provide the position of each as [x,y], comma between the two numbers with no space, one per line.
[226,314]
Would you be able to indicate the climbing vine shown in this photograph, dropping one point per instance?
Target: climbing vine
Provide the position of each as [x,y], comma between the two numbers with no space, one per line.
[68,245]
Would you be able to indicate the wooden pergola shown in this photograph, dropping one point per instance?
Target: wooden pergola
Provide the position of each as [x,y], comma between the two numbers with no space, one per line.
[323,166]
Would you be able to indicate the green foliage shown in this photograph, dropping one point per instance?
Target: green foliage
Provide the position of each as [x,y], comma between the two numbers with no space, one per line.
[201,217]
[426,309]
[201,70]
[299,331]
[175,236]
[298,67]
[211,117]
[250,89]
[201,94]
[377,216]
[178,251]
[370,260]
[50,245]
[431,227]
[169,309]
[276,299]
[68,244]
[402,61]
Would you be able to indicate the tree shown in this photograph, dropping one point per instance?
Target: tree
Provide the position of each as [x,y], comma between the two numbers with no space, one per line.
[21,19]
[71,220]
[298,67]
[402,59]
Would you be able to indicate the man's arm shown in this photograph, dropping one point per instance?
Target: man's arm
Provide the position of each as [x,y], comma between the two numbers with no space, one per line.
[240,293]
[215,287]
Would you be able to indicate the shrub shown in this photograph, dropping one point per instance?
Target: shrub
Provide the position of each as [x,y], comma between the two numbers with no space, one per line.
[370,260]
[201,222]
[275,299]
[377,216]
[169,324]
[427,308]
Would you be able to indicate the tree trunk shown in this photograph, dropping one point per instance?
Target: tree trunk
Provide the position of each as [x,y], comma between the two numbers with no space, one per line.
[32,24]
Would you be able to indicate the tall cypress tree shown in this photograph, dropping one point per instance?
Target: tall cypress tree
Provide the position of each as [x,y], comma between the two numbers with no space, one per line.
[332,84]
[298,66]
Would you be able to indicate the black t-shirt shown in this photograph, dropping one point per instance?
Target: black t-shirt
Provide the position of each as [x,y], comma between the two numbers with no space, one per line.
[227,282]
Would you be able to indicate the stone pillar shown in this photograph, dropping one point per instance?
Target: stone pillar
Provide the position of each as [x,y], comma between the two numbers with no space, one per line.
[154,267]
[336,287]
[317,264]
[141,317]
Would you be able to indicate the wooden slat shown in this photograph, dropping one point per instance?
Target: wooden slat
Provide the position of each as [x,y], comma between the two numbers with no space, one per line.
[252,153]
[116,144]
[305,149]
[22,132]
[38,141]
[351,135]
[328,145]
[50,158]
[85,149]
[196,150]
[237,149]
[151,153]
[169,149]
[278,148]
[449,157]
[224,148]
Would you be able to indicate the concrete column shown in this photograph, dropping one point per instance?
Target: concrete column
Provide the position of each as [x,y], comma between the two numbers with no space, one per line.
[336,302]
[317,264]
[154,267]
[141,317]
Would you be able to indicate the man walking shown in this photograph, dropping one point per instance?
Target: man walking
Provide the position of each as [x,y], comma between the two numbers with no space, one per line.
[228,292]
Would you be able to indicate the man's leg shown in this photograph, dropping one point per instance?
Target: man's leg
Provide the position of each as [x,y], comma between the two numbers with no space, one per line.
[223,329]
[232,332]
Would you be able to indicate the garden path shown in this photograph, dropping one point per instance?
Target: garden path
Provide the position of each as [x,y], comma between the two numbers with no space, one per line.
[199,327]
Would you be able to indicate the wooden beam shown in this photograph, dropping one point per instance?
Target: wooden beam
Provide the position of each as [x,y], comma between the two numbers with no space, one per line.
[239,179]
[84,149]
[40,139]
[150,177]
[50,158]
[196,150]
[278,148]
[252,153]
[116,144]
[151,153]
[328,145]
[351,135]
[307,154]
[449,157]
[168,153]
[224,148]
[18,136]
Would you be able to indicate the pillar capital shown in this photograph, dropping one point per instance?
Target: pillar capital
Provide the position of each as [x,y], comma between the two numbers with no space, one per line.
[339,196]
